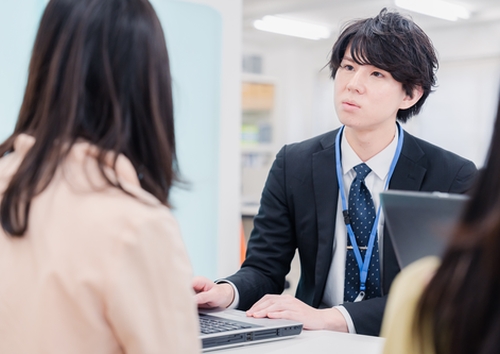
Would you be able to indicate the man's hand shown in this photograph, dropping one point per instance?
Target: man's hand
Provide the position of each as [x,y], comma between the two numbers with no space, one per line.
[291,308]
[210,295]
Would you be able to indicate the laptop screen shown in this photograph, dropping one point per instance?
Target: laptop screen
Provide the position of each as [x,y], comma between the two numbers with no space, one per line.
[419,223]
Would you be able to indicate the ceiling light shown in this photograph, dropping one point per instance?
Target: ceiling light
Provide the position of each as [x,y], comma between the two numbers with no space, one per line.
[292,27]
[436,8]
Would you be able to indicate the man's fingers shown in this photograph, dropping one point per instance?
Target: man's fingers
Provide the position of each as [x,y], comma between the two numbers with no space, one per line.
[204,298]
[200,284]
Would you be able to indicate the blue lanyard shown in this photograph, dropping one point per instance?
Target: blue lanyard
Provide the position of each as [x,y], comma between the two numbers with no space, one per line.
[362,264]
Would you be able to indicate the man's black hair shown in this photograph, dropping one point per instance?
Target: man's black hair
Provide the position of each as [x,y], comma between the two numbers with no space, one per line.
[396,44]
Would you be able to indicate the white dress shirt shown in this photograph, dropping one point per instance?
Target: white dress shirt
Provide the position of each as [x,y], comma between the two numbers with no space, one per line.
[375,182]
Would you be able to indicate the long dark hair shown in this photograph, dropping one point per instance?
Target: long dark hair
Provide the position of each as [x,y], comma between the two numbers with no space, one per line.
[461,303]
[99,71]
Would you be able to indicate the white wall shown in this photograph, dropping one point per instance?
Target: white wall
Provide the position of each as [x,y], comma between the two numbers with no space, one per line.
[459,115]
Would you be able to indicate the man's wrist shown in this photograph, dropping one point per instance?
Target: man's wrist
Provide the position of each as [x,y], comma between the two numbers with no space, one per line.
[234,298]
[333,320]
[347,318]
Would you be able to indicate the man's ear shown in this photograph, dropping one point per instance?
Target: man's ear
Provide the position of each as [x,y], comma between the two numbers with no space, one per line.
[408,101]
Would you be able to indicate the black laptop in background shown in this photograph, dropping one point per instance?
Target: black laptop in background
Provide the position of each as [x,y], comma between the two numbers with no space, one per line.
[420,223]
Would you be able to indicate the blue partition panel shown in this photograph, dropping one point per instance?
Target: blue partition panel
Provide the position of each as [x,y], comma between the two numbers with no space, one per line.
[18,24]
[194,37]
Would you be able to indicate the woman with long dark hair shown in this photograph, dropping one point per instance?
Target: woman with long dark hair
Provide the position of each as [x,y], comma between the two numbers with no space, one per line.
[453,307]
[91,259]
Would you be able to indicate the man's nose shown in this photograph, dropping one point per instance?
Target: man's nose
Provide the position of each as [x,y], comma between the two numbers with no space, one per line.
[357,82]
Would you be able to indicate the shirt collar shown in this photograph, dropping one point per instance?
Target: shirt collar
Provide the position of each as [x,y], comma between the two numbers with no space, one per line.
[379,164]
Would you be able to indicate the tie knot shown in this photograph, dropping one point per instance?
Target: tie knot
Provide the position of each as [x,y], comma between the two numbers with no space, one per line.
[362,170]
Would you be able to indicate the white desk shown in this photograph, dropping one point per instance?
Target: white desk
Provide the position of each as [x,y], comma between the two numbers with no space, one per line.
[314,342]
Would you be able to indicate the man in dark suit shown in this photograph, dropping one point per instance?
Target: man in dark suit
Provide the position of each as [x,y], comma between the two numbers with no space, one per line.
[383,70]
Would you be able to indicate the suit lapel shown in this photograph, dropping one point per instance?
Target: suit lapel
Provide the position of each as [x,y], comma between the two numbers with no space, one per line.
[409,174]
[326,197]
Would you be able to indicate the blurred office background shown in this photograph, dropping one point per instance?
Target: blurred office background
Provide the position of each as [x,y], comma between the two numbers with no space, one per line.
[299,103]
[457,116]
[241,93]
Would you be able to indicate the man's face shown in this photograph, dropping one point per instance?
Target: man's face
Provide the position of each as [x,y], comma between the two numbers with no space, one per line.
[367,98]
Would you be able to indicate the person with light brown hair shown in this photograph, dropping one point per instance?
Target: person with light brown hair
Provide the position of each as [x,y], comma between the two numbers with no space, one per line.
[451,306]
[91,258]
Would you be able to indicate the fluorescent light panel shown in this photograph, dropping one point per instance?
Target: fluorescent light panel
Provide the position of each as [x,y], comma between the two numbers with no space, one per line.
[292,27]
[436,8]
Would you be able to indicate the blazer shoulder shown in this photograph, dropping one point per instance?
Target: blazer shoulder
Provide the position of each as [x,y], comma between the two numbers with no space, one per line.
[420,148]
[298,159]
[312,145]
[443,170]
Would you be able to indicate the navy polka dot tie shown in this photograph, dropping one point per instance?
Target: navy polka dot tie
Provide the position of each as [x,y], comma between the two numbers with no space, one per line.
[362,216]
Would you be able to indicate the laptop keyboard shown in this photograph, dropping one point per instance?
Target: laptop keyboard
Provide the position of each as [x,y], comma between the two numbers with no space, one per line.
[210,324]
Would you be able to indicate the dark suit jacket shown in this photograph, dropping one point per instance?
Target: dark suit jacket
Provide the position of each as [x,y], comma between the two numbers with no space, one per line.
[298,210]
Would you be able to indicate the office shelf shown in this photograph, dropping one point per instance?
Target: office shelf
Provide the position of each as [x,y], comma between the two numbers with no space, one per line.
[258,146]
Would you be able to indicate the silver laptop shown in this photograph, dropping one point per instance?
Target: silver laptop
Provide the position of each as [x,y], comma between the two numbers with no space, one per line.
[419,223]
[230,328]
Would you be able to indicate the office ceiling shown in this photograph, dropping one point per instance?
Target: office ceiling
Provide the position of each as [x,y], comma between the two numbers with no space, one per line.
[334,13]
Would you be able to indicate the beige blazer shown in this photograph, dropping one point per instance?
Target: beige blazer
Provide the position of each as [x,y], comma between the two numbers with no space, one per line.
[98,271]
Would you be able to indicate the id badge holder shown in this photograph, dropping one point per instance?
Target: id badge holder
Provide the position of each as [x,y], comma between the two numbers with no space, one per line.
[360,296]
